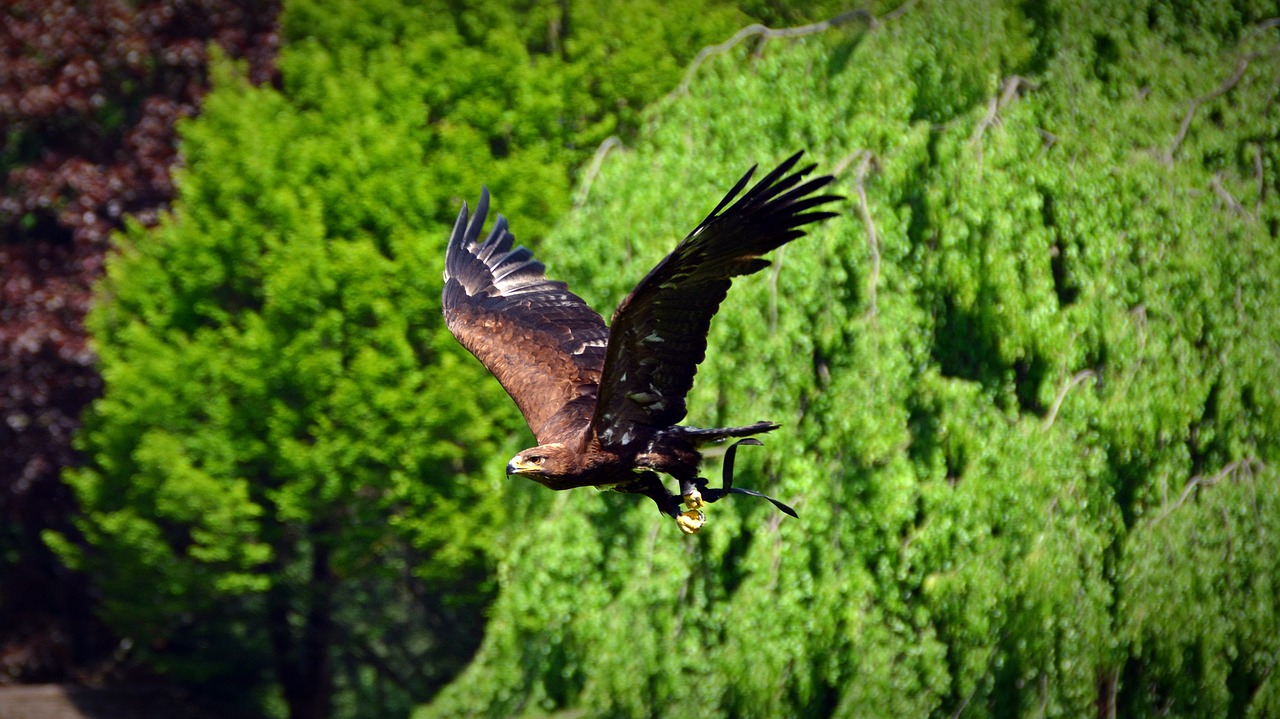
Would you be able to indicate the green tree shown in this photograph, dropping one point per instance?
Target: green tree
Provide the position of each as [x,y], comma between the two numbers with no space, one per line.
[293,476]
[1027,387]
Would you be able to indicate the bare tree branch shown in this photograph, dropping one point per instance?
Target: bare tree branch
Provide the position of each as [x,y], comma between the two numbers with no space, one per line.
[1222,89]
[1066,387]
[873,239]
[1008,90]
[1217,92]
[1262,27]
[767,33]
[588,178]
[1225,196]
[843,163]
[1241,467]
[1049,140]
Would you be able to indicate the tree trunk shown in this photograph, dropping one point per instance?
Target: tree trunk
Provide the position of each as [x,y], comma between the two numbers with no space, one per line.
[303,663]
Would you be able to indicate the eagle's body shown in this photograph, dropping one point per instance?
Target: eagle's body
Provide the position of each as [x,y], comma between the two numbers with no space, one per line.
[604,402]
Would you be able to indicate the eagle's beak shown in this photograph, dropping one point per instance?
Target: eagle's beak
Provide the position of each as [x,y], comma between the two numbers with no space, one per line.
[519,466]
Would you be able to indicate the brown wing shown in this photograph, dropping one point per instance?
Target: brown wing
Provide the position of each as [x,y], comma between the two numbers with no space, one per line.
[542,342]
[659,332]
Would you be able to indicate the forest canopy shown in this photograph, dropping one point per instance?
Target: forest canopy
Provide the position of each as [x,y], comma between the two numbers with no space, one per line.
[1026,387]
[1026,381]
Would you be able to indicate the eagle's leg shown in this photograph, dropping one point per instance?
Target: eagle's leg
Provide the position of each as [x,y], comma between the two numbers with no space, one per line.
[691,492]
[691,520]
[651,486]
[680,460]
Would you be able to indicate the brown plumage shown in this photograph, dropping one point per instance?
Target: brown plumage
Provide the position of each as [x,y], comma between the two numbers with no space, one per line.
[604,402]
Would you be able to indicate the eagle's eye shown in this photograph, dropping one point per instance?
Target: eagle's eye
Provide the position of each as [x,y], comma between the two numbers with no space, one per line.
[536,459]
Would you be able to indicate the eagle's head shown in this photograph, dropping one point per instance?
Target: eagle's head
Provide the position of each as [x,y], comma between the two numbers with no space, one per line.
[544,464]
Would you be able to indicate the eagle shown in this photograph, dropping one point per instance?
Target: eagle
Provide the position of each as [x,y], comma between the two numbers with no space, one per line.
[604,401]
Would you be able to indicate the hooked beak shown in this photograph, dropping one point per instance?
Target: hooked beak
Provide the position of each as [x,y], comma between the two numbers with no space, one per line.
[520,466]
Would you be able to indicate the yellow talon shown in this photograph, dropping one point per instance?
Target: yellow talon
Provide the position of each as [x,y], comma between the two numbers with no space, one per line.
[693,500]
[691,521]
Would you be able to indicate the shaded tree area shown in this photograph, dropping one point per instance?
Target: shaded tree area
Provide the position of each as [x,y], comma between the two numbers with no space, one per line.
[1027,387]
[292,490]
[89,94]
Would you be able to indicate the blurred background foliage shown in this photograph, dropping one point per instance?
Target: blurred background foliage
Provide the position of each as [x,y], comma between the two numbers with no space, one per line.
[1027,387]
[1027,381]
[89,94]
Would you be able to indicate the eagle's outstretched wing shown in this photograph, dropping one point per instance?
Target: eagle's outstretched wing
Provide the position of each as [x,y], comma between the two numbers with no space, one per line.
[659,332]
[542,342]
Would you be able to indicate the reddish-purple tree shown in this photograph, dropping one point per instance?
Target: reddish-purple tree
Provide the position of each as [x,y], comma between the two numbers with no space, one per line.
[90,91]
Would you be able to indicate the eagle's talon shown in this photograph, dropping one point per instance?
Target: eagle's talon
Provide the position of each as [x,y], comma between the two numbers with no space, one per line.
[691,521]
[693,499]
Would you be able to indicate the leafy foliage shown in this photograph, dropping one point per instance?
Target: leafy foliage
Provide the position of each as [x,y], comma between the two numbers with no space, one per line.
[1029,407]
[89,93]
[292,457]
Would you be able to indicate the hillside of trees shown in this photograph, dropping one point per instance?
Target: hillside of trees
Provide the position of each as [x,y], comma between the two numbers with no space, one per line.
[1028,388]
[1026,380]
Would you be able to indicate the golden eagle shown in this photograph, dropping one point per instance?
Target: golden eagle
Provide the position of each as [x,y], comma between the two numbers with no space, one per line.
[603,402]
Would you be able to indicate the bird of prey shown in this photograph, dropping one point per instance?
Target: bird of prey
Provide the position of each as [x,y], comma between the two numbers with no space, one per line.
[604,401]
